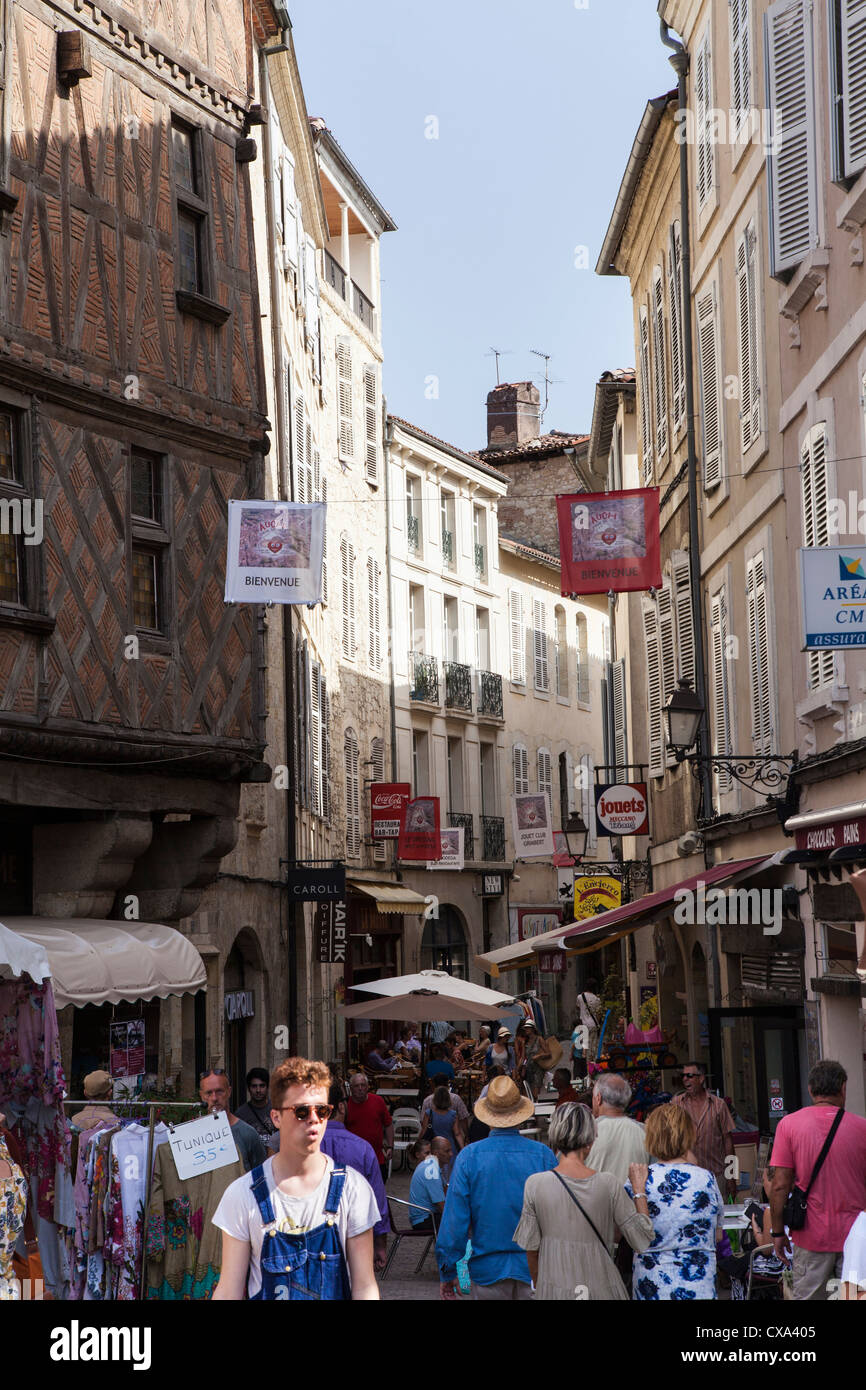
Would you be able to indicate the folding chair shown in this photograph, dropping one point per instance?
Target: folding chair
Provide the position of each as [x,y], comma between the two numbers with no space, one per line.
[410,1234]
[407,1128]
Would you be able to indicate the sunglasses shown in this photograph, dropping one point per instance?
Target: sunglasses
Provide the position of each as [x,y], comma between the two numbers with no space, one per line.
[690,1075]
[302,1112]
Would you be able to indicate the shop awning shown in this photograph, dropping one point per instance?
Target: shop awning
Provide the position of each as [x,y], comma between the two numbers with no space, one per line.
[98,962]
[578,938]
[19,957]
[388,897]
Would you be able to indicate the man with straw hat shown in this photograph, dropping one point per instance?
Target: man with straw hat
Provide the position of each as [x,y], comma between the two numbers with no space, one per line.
[485,1199]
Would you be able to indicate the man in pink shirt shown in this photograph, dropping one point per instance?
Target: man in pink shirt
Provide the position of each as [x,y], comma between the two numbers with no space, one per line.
[839,1192]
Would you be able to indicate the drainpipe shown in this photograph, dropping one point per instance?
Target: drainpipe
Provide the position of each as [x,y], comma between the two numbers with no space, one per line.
[679,61]
[387,435]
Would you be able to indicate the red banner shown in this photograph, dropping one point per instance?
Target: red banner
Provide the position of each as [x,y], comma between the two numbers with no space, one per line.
[420,837]
[609,540]
[387,804]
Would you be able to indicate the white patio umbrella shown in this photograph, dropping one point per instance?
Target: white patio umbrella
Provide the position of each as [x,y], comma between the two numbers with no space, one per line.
[423,1006]
[443,983]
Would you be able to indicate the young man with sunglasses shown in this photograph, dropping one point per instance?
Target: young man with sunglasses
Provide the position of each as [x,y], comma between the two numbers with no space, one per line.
[297,1227]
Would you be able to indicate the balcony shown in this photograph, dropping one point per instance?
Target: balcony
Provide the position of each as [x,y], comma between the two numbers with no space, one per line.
[413,532]
[480,568]
[448,548]
[458,686]
[461,819]
[363,308]
[335,275]
[492,838]
[490,695]
[424,678]
[353,295]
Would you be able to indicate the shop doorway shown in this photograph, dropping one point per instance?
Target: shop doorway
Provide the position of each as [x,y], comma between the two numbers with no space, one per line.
[755,1059]
[443,945]
[91,1038]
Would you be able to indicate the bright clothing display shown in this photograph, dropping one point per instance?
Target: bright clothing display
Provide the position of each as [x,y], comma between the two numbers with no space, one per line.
[183,1247]
[13,1208]
[126,1193]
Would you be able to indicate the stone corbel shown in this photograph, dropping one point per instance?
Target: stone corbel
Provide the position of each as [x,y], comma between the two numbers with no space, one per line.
[820,293]
[793,328]
[855,248]
[183,859]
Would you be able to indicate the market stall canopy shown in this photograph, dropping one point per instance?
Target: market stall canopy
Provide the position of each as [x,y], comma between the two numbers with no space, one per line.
[389,897]
[442,982]
[20,957]
[578,938]
[99,962]
[423,1006]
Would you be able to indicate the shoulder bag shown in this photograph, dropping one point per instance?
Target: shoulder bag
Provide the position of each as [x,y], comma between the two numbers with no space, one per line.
[796,1207]
[588,1218]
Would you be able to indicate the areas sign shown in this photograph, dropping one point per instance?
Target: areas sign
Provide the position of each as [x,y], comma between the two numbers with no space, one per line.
[833,582]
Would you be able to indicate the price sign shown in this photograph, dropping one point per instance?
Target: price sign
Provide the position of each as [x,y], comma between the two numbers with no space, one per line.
[202,1145]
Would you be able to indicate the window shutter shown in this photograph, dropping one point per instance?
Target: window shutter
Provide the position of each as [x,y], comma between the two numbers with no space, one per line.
[721,709]
[645,410]
[681,577]
[377,758]
[706,154]
[660,379]
[344,392]
[316,737]
[741,96]
[667,647]
[347,563]
[370,415]
[323,497]
[518,641]
[588,801]
[300,450]
[747,334]
[582,661]
[853,36]
[303,688]
[544,775]
[326,751]
[675,295]
[620,738]
[375,646]
[521,769]
[539,630]
[790,96]
[353,799]
[711,387]
[759,656]
[816,530]
[654,687]
[311,300]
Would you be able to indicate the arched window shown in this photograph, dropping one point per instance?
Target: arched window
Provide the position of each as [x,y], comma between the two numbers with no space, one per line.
[561,652]
[347,571]
[443,945]
[375,637]
[582,660]
[353,794]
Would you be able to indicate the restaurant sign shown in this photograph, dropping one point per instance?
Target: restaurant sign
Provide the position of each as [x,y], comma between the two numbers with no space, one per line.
[837,835]
[387,804]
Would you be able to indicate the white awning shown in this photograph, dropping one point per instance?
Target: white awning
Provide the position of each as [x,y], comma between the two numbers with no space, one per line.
[99,962]
[19,957]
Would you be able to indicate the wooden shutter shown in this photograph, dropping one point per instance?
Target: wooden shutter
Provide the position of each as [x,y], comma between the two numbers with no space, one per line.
[816,529]
[377,758]
[660,378]
[620,735]
[763,735]
[300,449]
[518,641]
[655,717]
[747,335]
[682,592]
[311,301]
[347,564]
[344,394]
[353,795]
[316,737]
[545,783]
[588,800]
[790,96]
[371,423]
[521,769]
[582,661]
[539,634]
[289,214]
[302,714]
[326,750]
[706,152]
[741,84]
[667,647]
[375,644]
[721,707]
[711,386]
[645,408]
[675,296]
[852,22]
[323,497]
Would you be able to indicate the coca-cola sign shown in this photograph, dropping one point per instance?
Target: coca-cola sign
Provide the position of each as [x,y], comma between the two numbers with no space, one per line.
[387,804]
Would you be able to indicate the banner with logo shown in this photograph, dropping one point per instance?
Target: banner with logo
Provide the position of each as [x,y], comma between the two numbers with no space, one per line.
[420,836]
[531,923]
[275,552]
[387,802]
[833,582]
[126,1053]
[609,540]
[451,841]
[595,893]
[532,825]
[622,808]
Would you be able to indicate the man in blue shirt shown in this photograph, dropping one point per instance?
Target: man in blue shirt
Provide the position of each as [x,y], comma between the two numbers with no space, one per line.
[427,1189]
[485,1199]
[344,1148]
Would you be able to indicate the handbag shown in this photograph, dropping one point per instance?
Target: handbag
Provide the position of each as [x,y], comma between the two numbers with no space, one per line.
[796,1207]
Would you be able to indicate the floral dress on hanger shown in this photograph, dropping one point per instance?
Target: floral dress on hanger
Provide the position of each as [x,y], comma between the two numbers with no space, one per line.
[13,1208]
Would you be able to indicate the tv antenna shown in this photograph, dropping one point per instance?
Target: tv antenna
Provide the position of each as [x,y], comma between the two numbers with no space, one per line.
[497,353]
[547,380]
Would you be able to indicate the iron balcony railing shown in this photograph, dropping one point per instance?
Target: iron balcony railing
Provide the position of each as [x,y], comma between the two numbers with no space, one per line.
[492,838]
[413,531]
[335,275]
[456,819]
[424,674]
[363,308]
[448,548]
[479,561]
[458,686]
[490,695]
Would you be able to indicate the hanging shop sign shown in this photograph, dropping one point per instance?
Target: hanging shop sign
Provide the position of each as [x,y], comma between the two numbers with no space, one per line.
[314,884]
[532,825]
[126,1054]
[552,962]
[595,894]
[387,803]
[202,1145]
[623,808]
[331,933]
[530,924]
[275,552]
[837,835]
[492,886]
[451,841]
[420,830]
[609,541]
[240,1003]
[833,583]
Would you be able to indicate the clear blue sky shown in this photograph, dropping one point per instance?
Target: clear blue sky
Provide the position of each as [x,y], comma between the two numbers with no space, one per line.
[537,104]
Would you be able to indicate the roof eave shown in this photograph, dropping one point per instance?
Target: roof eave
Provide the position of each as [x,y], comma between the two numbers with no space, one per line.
[650,122]
[415,432]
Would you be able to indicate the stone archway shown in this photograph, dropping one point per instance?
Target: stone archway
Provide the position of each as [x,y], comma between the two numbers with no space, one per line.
[445,943]
[245,1038]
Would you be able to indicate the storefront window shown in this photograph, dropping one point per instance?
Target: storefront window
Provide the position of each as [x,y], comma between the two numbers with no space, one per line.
[443,945]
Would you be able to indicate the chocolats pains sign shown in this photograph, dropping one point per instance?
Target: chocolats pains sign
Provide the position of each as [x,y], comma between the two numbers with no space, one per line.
[622,808]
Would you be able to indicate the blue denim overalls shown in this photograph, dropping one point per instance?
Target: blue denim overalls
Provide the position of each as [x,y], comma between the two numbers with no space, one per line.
[310,1265]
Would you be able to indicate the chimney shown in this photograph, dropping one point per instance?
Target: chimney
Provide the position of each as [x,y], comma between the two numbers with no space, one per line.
[512,415]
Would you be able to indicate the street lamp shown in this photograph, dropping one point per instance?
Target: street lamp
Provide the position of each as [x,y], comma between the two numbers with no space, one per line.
[683,712]
[575,829]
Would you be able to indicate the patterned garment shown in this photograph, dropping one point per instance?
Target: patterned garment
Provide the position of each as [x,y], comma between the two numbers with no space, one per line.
[13,1208]
[685,1206]
[32,1086]
[125,1209]
[184,1247]
[83,1191]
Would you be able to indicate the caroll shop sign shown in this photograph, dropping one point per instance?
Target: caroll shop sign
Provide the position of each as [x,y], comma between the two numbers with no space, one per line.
[622,808]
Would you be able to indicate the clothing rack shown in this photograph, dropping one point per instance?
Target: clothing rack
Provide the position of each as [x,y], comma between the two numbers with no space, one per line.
[152,1106]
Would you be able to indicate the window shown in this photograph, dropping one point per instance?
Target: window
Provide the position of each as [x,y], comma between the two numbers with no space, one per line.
[448,509]
[760,675]
[675,297]
[645,408]
[325,750]
[344,399]
[582,648]
[660,380]
[706,153]
[721,698]
[191,210]
[816,530]
[482,639]
[371,418]
[302,451]
[667,646]
[792,155]
[150,541]
[539,640]
[619,741]
[413,513]
[347,566]
[741,74]
[518,641]
[545,779]
[323,497]
[709,353]
[479,534]
[587,796]
[455,774]
[13,584]
[417,626]
[747,334]
[655,717]
[681,583]
[450,629]
[315,731]
[487,759]
[520,758]
[443,945]
[302,723]
[561,652]
[351,762]
[420,763]
[374,646]
[377,762]
[849,22]
[605,641]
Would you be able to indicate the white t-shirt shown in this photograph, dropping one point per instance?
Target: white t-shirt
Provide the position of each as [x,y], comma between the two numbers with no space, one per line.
[854,1254]
[239,1216]
[585,1005]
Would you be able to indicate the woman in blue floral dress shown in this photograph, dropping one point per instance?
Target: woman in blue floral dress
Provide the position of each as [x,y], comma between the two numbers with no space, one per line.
[685,1206]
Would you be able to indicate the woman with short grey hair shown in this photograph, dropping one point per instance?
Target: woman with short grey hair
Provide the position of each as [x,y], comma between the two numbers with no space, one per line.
[570,1215]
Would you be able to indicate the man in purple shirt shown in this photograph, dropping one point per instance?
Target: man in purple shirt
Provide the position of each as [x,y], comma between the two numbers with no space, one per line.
[345,1147]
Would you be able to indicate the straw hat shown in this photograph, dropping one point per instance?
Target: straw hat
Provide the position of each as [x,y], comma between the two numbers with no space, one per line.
[503,1033]
[504,1107]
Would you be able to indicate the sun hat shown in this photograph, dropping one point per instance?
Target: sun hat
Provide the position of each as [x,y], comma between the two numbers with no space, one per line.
[503,1033]
[527,1023]
[97,1085]
[503,1107]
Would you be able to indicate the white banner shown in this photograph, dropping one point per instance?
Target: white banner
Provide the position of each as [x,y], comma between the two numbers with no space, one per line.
[275,552]
[452,849]
[202,1145]
[532,825]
